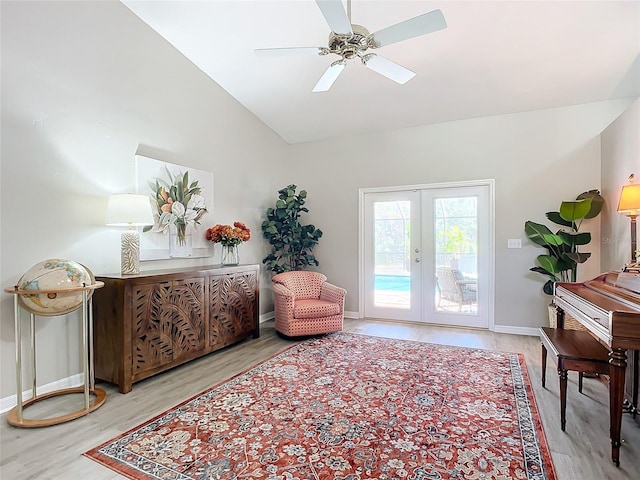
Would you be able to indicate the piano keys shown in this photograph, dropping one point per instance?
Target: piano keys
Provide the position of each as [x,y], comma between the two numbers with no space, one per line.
[609,307]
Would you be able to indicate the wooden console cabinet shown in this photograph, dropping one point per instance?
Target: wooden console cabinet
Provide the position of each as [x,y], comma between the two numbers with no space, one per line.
[156,320]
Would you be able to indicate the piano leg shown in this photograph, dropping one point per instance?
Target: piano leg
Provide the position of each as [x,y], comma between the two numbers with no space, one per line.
[544,365]
[617,367]
[563,398]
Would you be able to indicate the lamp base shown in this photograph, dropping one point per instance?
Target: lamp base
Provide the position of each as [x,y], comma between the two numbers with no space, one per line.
[634,243]
[130,252]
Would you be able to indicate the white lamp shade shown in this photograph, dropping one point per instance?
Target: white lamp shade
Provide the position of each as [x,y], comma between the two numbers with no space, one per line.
[129,210]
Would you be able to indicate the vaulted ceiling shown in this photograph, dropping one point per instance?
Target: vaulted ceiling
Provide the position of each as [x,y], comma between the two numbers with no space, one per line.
[494,57]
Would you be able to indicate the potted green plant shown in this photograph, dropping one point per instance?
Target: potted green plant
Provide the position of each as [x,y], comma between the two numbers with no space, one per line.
[291,241]
[560,262]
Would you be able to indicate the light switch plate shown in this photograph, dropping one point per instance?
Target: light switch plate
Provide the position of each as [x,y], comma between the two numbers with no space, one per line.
[514,243]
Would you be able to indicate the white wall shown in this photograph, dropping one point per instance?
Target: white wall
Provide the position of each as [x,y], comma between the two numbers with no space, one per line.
[86,86]
[537,159]
[620,157]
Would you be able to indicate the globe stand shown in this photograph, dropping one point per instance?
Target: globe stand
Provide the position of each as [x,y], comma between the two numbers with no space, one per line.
[15,416]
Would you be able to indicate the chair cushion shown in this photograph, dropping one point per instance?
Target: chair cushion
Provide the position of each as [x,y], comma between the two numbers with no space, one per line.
[313,308]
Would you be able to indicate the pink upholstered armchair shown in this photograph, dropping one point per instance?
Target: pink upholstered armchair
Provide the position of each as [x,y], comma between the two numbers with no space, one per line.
[306,304]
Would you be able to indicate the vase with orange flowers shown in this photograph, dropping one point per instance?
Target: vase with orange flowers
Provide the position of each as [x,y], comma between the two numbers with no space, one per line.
[229,237]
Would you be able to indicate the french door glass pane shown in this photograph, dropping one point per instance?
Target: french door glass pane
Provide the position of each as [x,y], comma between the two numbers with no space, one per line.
[392,227]
[455,252]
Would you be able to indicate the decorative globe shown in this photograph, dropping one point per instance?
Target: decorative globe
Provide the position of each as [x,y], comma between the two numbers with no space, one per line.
[54,274]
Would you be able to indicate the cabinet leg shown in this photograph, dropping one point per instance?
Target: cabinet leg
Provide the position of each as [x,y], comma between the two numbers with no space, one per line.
[125,387]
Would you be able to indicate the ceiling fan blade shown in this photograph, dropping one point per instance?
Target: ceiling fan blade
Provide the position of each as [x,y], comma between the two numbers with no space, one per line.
[414,27]
[329,76]
[288,51]
[336,17]
[389,69]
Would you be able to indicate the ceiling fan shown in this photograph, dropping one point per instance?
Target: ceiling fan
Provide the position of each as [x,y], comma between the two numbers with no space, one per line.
[351,41]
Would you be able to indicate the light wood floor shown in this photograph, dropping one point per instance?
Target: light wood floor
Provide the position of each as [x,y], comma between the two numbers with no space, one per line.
[54,453]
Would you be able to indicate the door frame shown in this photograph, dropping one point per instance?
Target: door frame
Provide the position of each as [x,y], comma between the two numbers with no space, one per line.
[489,183]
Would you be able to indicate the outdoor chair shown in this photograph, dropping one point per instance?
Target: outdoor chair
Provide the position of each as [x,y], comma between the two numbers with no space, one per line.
[455,288]
[306,304]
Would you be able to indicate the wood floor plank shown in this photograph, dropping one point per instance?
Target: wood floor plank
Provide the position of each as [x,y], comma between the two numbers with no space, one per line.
[580,453]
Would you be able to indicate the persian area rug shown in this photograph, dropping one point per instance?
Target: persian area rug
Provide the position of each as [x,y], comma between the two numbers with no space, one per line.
[349,407]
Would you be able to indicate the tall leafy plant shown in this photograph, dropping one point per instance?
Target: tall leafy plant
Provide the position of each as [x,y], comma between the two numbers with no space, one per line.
[560,263]
[291,241]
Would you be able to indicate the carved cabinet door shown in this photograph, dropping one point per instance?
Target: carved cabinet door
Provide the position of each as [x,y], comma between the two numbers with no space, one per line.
[232,303]
[169,322]
[152,342]
[188,317]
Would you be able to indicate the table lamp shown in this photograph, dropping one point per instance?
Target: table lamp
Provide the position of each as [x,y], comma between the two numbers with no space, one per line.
[629,205]
[127,210]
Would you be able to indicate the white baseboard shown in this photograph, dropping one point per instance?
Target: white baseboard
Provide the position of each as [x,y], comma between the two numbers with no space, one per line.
[514,330]
[265,317]
[76,380]
[530,331]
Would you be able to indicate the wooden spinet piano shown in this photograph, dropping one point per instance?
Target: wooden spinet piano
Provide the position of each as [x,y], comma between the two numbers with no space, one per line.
[609,307]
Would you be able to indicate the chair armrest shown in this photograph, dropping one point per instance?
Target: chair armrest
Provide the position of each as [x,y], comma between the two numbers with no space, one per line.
[332,293]
[468,289]
[279,289]
[467,285]
[284,301]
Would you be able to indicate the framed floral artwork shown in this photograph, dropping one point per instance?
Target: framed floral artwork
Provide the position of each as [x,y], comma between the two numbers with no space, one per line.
[181,199]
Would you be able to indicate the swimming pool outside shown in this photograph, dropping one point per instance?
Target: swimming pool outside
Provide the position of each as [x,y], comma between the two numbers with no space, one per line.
[394,283]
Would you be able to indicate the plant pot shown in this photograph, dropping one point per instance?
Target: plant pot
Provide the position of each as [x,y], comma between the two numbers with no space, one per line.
[570,323]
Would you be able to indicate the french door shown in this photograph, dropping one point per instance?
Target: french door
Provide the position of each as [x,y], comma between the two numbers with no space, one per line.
[427,253]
